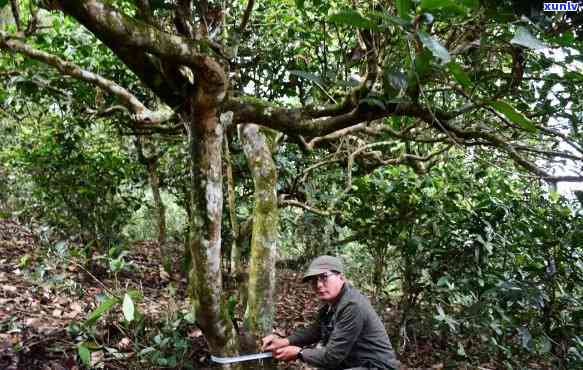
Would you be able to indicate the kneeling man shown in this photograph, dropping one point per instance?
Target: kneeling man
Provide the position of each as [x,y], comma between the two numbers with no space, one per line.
[349,330]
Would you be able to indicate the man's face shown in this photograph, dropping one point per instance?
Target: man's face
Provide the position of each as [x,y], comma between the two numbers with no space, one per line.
[327,285]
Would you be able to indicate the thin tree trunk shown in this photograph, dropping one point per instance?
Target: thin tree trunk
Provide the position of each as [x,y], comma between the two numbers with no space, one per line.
[159,204]
[259,313]
[234,255]
[151,164]
[205,138]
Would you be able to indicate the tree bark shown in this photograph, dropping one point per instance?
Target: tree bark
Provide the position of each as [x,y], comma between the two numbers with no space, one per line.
[259,313]
[205,141]
[159,204]
[235,250]
[151,163]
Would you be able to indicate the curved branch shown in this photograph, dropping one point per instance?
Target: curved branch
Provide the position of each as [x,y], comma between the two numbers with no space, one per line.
[106,22]
[127,99]
[284,202]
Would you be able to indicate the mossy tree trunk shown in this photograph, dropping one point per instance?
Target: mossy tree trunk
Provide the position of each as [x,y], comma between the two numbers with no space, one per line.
[158,203]
[258,319]
[234,253]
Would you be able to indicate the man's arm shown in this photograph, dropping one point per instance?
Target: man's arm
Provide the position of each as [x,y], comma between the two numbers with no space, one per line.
[306,336]
[349,324]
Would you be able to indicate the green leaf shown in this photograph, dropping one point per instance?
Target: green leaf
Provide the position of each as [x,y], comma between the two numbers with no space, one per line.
[403,7]
[460,349]
[397,80]
[350,17]
[573,76]
[422,64]
[300,4]
[456,6]
[459,74]
[431,43]
[128,308]
[383,18]
[84,354]
[523,38]
[3,3]
[307,75]
[513,115]
[434,4]
[99,311]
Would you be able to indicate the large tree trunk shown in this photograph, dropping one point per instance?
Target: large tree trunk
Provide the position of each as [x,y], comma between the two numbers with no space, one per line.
[205,137]
[259,313]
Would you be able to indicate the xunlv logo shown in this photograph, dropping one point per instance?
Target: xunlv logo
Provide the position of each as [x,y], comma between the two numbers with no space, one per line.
[561,7]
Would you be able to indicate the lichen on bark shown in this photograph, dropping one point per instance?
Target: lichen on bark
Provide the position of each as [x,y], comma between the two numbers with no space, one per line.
[259,312]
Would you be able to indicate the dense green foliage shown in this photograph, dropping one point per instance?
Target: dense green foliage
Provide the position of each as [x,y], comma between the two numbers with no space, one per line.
[482,255]
[80,182]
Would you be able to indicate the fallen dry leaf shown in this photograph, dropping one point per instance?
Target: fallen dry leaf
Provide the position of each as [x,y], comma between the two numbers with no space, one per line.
[34,322]
[9,289]
[195,333]
[124,344]
[97,358]
[163,274]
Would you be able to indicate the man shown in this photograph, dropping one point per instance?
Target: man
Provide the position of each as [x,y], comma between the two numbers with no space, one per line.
[351,333]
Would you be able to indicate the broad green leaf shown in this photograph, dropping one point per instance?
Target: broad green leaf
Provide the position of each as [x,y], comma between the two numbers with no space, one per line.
[526,337]
[307,75]
[459,74]
[300,4]
[352,18]
[128,307]
[431,43]
[99,311]
[572,75]
[442,281]
[440,4]
[435,4]
[523,38]
[403,7]
[423,64]
[460,349]
[84,354]
[3,3]
[513,115]
[385,18]
[397,80]
[452,5]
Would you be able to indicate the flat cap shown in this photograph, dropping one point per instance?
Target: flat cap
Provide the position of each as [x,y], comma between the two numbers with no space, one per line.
[323,264]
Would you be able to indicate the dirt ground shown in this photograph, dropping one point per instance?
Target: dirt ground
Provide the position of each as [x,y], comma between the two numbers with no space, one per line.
[43,293]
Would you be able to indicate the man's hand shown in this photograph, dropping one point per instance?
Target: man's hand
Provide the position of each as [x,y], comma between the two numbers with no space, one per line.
[273,342]
[287,353]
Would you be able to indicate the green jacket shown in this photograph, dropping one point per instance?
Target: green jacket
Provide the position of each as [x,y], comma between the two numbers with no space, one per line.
[351,333]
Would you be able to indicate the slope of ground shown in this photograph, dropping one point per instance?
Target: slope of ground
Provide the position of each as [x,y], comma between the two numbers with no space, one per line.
[47,296]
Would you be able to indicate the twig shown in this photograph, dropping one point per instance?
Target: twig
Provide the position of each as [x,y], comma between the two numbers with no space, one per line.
[295,203]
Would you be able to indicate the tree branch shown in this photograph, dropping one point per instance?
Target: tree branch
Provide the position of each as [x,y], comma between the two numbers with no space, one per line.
[246,16]
[16,14]
[128,100]
[108,24]
[284,202]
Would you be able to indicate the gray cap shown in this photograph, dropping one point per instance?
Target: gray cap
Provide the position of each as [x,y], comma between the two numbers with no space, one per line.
[323,264]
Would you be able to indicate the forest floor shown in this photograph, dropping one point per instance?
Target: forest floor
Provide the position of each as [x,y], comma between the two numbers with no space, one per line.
[46,296]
